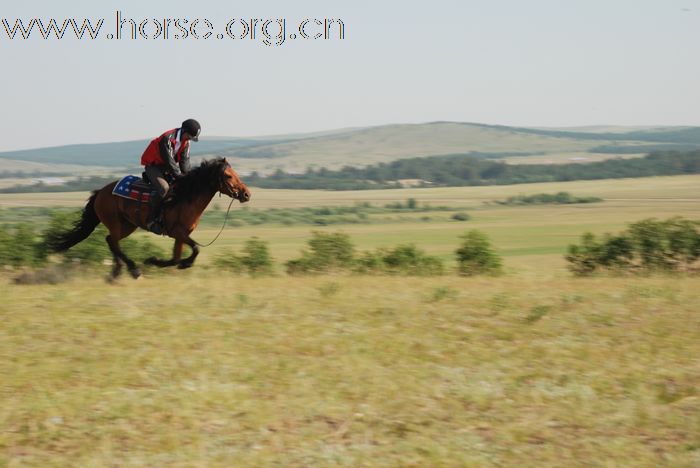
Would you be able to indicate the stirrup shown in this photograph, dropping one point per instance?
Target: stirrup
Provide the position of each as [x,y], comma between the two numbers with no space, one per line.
[155,227]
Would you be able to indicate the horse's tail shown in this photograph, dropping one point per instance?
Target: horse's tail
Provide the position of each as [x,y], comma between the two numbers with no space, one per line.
[60,241]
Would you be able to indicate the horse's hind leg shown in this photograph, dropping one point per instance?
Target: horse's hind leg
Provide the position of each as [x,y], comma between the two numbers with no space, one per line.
[117,268]
[119,255]
[189,261]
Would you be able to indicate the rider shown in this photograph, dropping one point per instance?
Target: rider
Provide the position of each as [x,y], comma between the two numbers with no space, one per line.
[166,158]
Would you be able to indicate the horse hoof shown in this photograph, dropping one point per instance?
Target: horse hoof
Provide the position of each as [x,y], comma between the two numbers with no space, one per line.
[135,273]
[183,266]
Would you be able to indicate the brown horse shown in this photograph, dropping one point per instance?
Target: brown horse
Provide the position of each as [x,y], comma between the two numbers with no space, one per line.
[182,209]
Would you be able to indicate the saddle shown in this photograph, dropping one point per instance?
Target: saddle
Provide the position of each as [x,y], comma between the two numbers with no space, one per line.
[134,188]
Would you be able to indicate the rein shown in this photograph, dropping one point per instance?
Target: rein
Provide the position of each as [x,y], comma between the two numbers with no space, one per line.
[233,196]
[220,230]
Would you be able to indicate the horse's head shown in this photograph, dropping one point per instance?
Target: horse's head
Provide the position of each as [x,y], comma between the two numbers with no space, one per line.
[231,185]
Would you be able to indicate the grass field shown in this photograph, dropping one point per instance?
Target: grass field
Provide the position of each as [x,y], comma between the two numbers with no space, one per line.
[519,233]
[204,368]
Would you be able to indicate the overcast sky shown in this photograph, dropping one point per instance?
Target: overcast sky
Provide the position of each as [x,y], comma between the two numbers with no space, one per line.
[511,62]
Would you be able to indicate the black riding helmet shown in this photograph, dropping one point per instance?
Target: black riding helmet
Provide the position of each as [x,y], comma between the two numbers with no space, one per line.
[192,127]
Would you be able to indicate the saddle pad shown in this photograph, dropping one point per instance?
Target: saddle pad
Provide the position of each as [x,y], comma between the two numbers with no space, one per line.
[133,188]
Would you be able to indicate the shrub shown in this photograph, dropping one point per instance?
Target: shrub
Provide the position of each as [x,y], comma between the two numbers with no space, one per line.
[648,245]
[5,241]
[255,260]
[401,260]
[19,246]
[612,252]
[616,252]
[370,262]
[407,259]
[584,259]
[683,241]
[561,198]
[228,260]
[666,245]
[327,252]
[475,256]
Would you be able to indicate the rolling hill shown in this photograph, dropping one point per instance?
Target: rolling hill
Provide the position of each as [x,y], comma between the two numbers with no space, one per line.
[371,145]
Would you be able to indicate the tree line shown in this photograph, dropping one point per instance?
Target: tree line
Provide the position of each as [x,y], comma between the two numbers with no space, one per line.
[470,171]
[445,170]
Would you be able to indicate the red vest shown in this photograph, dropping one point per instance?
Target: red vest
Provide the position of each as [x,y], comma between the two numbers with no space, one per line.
[152,154]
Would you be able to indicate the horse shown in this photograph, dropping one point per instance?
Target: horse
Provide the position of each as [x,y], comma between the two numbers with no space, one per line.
[183,206]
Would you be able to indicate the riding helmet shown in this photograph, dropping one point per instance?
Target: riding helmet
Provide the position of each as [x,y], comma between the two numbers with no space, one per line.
[192,127]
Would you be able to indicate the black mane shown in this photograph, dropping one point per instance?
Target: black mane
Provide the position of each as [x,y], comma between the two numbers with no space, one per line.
[206,177]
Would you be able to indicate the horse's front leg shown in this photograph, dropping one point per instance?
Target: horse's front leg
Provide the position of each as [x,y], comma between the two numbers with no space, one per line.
[189,261]
[120,256]
[177,255]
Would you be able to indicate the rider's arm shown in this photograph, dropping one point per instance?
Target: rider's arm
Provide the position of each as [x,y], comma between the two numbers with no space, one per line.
[166,151]
[185,160]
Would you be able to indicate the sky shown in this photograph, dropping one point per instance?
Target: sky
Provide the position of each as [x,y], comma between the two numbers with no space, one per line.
[550,63]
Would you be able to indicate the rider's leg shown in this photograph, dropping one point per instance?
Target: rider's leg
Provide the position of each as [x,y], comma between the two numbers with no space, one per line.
[160,185]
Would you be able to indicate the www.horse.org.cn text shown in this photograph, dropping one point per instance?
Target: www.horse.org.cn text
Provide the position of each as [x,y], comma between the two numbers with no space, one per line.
[267,31]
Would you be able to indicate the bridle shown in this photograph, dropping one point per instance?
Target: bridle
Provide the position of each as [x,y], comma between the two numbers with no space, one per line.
[226,188]
[234,196]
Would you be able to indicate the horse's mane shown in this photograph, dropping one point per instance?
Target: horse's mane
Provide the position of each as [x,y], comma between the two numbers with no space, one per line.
[202,178]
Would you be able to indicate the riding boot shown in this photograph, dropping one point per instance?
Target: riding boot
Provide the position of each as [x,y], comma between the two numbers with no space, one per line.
[155,225]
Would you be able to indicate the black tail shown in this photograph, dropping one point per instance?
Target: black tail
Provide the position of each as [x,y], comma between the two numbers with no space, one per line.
[58,242]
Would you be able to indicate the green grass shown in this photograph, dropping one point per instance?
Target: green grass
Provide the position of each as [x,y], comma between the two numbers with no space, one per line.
[204,368]
[517,232]
[350,371]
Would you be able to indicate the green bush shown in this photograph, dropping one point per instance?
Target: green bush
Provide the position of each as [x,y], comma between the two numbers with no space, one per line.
[227,259]
[461,216]
[255,260]
[612,252]
[616,252]
[648,245]
[666,245]
[475,256]
[401,260]
[584,259]
[370,262]
[20,246]
[561,198]
[327,252]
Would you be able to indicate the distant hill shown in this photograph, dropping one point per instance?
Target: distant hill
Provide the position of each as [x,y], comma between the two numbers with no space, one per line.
[119,154]
[359,147]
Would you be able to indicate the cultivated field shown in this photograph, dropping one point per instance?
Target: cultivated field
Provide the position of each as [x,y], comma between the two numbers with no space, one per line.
[205,368]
